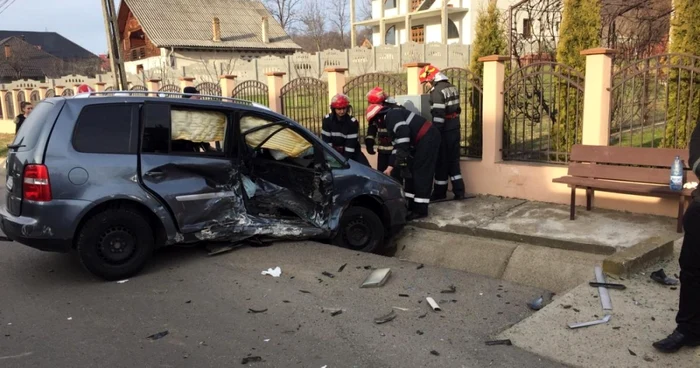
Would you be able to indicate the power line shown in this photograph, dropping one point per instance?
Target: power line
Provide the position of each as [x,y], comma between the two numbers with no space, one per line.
[6,7]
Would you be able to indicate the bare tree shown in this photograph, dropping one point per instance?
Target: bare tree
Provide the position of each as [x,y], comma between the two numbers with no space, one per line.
[365,11]
[314,23]
[286,12]
[214,67]
[339,18]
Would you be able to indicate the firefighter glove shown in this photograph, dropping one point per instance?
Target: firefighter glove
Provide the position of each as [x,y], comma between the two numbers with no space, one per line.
[369,143]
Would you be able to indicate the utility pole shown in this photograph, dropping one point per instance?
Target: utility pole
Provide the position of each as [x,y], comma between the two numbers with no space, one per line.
[112,30]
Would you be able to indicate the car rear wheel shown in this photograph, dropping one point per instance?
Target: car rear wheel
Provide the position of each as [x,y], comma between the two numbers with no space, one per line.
[115,244]
[361,230]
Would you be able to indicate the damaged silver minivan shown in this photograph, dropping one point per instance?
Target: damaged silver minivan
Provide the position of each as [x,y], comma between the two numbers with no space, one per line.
[115,177]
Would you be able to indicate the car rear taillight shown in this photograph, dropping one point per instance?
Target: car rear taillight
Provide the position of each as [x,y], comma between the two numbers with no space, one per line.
[36,183]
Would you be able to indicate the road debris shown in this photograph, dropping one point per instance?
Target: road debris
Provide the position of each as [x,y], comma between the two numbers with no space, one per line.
[603,292]
[251,359]
[419,332]
[536,304]
[336,312]
[404,295]
[188,302]
[70,318]
[433,304]
[434,352]
[605,319]
[608,285]
[401,309]
[274,272]
[450,290]
[660,277]
[304,291]
[499,342]
[566,306]
[386,318]
[342,268]
[649,358]
[327,274]
[216,249]
[632,353]
[255,311]
[423,315]
[122,281]
[420,266]
[158,336]
[377,278]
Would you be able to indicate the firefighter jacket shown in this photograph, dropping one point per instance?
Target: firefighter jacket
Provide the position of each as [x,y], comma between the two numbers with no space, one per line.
[341,133]
[444,104]
[694,155]
[378,135]
[406,129]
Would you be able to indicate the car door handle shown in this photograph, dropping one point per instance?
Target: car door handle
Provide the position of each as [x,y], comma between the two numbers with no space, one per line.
[154,174]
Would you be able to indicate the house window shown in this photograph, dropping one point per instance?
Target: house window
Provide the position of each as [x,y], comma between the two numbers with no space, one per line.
[527,28]
[390,36]
[418,34]
[452,30]
[389,4]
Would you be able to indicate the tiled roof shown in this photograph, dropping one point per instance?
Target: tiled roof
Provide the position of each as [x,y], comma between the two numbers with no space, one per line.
[31,62]
[188,24]
[53,43]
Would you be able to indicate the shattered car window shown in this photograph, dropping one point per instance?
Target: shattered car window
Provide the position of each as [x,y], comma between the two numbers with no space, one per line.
[282,142]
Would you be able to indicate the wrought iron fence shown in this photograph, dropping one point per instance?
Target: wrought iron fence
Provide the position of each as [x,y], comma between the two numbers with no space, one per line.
[356,89]
[305,100]
[68,92]
[34,97]
[169,88]
[470,89]
[139,87]
[209,88]
[543,112]
[50,93]
[10,105]
[252,90]
[655,101]
[20,98]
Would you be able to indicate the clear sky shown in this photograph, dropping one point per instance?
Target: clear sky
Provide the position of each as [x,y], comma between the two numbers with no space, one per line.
[78,20]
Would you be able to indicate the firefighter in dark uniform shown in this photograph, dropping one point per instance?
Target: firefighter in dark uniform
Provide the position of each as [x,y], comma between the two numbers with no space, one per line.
[687,332]
[416,142]
[340,130]
[445,109]
[378,136]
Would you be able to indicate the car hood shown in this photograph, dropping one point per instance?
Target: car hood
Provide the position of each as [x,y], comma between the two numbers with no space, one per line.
[359,177]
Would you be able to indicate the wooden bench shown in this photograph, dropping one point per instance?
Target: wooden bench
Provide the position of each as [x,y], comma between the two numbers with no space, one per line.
[626,170]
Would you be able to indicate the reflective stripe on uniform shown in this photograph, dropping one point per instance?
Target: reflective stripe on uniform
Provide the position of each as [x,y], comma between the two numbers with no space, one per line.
[402,140]
[349,136]
[388,148]
[421,200]
[410,195]
[369,137]
[323,132]
[383,130]
[439,106]
[438,120]
[410,117]
[400,123]
[393,152]
[348,149]
[456,177]
[453,102]
[440,182]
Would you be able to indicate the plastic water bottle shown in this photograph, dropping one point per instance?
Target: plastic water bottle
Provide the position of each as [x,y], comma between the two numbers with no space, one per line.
[677,174]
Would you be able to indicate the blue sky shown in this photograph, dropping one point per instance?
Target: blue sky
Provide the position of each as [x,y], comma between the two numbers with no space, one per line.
[78,20]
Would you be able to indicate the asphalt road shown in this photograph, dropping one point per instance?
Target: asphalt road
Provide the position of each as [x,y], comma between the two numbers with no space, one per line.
[55,314]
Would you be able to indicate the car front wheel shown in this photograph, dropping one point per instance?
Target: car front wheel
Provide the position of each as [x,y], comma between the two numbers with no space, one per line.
[360,229]
[116,243]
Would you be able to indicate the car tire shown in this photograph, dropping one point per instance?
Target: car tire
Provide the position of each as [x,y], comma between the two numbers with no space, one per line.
[115,244]
[360,229]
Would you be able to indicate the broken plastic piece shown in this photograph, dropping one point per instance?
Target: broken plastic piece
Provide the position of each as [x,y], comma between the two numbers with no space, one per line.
[451,290]
[159,335]
[660,277]
[536,304]
[377,278]
[251,359]
[122,281]
[608,285]
[604,295]
[433,305]
[605,319]
[304,291]
[342,268]
[337,312]
[274,272]
[420,266]
[250,310]
[249,186]
[327,274]
[499,342]
[434,352]
[401,309]
[387,318]
[404,295]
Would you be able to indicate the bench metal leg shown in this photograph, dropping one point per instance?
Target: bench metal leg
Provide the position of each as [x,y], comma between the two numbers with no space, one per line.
[589,198]
[681,212]
[573,202]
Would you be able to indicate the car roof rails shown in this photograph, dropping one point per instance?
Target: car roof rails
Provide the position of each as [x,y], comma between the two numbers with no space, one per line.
[167,95]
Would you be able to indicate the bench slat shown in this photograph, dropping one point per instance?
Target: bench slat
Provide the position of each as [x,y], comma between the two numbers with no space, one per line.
[625,188]
[660,157]
[623,173]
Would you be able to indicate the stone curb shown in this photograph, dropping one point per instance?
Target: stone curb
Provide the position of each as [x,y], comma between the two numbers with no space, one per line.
[637,257]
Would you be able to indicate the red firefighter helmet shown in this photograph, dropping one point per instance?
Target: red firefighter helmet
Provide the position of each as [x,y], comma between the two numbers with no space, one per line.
[340,101]
[376,96]
[373,110]
[84,88]
[428,73]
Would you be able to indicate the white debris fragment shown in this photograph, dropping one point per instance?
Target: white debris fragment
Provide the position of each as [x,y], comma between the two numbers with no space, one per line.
[122,281]
[690,185]
[274,272]
[70,318]
[267,340]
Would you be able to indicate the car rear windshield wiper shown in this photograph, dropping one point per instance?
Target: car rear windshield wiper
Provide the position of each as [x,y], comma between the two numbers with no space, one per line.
[15,146]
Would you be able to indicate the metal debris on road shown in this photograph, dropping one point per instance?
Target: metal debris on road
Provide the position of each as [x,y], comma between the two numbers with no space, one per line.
[251,359]
[327,274]
[605,319]
[158,336]
[255,311]
[608,285]
[404,295]
[499,342]
[603,292]
[274,272]
[660,277]
[377,278]
[536,304]
[342,268]
[433,305]
[450,290]
[386,318]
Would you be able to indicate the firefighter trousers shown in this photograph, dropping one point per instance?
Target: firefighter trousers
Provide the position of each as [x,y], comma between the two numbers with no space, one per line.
[448,161]
[688,317]
[422,165]
[383,163]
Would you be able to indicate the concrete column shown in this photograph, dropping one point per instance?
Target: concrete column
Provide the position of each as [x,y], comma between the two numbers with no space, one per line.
[75,88]
[3,105]
[15,97]
[408,27]
[42,92]
[28,94]
[186,82]
[414,87]
[336,81]
[353,34]
[443,19]
[493,111]
[382,24]
[275,81]
[58,90]
[227,83]
[153,85]
[596,103]
[100,86]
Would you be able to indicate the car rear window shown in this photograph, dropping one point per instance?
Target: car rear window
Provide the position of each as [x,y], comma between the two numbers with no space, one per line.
[28,133]
[106,128]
